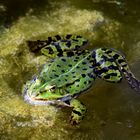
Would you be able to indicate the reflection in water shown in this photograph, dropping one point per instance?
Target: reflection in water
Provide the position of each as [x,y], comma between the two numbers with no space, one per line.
[113,109]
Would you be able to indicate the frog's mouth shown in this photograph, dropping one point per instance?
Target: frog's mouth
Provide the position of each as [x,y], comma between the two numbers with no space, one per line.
[34,101]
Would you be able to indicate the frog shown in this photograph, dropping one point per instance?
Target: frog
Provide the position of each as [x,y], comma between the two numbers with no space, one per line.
[71,71]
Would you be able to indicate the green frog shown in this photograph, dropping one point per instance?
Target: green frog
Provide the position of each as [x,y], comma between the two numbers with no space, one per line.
[71,70]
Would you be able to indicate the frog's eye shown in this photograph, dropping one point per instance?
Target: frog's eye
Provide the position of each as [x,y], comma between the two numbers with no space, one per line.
[50,88]
[53,88]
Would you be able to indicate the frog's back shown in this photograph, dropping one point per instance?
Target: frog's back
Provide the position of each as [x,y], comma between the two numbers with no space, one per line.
[75,73]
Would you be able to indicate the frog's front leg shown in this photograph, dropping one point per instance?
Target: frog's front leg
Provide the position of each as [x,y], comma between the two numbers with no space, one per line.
[78,111]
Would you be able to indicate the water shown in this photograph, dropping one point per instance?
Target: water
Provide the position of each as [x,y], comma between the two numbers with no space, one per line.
[113,109]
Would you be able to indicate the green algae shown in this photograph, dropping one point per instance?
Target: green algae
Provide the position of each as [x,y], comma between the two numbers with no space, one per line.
[19,120]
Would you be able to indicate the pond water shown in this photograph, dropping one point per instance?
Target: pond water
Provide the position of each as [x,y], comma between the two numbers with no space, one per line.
[113,109]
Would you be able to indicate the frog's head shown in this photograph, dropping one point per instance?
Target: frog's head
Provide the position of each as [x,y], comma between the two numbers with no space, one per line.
[37,91]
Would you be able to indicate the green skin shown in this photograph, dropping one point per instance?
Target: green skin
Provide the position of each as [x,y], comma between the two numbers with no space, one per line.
[72,71]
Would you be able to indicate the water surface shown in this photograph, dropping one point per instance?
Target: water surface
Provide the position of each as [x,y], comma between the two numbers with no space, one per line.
[113,109]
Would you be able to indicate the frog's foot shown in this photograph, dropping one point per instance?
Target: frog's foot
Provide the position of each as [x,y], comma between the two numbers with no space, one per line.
[78,111]
[75,117]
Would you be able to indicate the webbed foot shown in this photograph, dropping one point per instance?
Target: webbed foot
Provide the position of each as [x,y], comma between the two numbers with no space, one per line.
[78,111]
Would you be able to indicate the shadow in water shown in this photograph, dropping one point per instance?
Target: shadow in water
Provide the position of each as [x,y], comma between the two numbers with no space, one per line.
[16,8]
[125,11]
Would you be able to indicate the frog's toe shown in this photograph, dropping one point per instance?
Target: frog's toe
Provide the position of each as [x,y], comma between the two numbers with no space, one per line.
[74,121]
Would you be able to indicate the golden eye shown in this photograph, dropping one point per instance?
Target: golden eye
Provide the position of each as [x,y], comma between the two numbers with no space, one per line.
[53,89]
